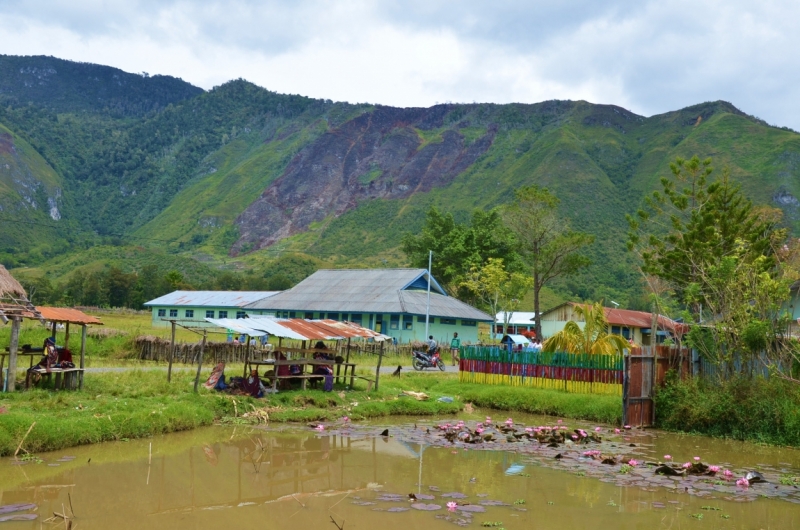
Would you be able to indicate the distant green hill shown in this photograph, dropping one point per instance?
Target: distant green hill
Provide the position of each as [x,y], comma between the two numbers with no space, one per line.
[238,175]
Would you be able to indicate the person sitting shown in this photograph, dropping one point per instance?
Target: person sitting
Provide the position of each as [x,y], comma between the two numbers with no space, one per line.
[216,380]
[323,370]
[431,342]
[252,385]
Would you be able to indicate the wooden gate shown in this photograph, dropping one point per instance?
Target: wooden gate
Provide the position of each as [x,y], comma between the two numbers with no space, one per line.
[645,371]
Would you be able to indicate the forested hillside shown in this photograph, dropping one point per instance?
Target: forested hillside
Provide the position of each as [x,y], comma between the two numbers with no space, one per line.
[99,167]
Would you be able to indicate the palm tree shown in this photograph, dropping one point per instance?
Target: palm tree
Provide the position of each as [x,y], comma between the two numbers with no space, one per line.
[594,338]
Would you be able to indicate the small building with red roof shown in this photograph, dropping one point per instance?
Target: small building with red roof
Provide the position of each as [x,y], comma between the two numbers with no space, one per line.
[636,325]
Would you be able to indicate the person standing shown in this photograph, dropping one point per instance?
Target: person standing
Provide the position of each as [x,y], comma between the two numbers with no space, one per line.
[455,344]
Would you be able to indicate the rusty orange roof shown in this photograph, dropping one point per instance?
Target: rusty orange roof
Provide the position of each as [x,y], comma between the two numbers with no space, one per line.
[66,314]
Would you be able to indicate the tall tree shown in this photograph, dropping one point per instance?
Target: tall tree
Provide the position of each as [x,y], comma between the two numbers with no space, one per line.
[459,247]
[546,243]
[721,257]
[496,288]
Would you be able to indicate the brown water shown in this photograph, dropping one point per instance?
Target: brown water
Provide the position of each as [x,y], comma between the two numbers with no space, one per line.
[226,477]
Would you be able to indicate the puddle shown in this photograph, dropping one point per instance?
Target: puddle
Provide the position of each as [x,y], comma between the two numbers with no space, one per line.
[298,477]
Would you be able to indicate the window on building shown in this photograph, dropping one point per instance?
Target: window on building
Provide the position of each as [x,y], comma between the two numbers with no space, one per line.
[469,323]
[449,321]
[356,318]
[189,313]
[209,314]
[344,317]
[421,318]
[292,314]
[162,312]
[284,314]
[394,322]
[223,314]
[241,314]
[408,322]
[309,316]
[333,316]
[173,312]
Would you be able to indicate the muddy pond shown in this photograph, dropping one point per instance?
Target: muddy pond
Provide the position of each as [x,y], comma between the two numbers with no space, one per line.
[282,476]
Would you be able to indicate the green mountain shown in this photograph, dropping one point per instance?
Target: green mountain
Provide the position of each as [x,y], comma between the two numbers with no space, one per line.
[234,177]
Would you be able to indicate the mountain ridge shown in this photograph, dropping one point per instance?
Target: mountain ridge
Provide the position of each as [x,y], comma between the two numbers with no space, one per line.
[234,175]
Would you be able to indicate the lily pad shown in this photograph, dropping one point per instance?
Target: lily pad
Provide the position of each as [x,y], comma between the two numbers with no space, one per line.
[493,503]
[475,508]
[19,507]
[398,509]
[426,507]
[454,495]
[19,517]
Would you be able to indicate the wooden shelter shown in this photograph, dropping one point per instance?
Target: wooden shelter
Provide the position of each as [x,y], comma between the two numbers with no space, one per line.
[14,306]
[67,316]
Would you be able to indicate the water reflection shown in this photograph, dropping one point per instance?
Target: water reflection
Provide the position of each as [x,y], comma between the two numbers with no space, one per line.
[221,476]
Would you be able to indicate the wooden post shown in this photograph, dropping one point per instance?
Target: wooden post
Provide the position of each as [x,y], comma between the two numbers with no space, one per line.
[54,330]
[66,336]
[246,354]
[378,370]
[83,356]
[200,362]
[171,353]
[12,350]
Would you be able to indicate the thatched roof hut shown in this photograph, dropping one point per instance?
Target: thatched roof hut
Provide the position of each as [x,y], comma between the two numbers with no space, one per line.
[13,299]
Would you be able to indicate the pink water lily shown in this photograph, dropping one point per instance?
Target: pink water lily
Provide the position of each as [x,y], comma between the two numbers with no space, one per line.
[743,482]
[687,465]
[509,422]
[574,436]
[528,430]
[627,427]
[451,506]
[617,431]
[560,421]
[667,457]
[597,429]
[727,473]
[697,459]
[479,430]
[713,469]
[320,427]
[633,462]
[345,419]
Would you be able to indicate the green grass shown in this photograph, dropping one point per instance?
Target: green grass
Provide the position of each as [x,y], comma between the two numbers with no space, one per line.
[756,410]
[140,403]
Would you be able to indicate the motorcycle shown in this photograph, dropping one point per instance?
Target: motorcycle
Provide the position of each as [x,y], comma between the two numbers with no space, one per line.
[422,360]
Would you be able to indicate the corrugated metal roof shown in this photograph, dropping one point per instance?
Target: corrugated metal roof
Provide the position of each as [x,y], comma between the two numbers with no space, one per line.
[630,318]
[211,298]
[296,328]
[368,291]
[524,318]
[65,314]
[239,325]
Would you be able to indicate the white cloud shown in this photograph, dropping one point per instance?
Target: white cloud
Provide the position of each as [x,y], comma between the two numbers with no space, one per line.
[650,57]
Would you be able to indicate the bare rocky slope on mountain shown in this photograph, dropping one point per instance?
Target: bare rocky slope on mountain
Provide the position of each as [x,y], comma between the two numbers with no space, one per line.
[93,154]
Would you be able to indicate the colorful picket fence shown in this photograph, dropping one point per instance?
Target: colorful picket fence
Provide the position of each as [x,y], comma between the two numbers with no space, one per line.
[580,373]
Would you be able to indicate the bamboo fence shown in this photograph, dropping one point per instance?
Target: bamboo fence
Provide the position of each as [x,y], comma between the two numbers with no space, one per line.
[580,373]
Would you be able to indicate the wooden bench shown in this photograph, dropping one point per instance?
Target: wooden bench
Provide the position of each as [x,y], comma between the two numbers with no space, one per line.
[66,378]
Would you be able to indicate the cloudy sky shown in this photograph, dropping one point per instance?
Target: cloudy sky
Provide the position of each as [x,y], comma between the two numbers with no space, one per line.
[647,56]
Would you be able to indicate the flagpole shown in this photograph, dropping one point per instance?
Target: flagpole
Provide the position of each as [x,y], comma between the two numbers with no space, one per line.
[428,305]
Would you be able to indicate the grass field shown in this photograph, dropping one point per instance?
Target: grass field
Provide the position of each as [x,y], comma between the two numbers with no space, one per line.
[139,403]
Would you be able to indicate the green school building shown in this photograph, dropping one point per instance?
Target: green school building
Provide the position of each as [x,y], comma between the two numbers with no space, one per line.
[390,301]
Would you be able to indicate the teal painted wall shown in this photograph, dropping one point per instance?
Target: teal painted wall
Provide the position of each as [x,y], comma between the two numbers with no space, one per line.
[404,328]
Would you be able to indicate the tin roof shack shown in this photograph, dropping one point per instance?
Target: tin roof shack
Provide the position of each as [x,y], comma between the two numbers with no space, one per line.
[14,306]
[67,316]
[519,322]
[194,307]
[634,325]
[390,301]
